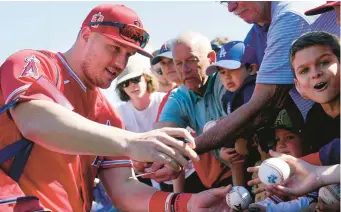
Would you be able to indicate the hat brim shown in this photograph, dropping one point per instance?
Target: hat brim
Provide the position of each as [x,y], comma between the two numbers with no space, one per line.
[297,131]
[128,76]
[323,8]
[157,59]
[127,43]
[228,64]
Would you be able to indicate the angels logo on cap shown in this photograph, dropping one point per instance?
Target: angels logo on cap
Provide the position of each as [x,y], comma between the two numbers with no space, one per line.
[137,23]
[31,68]
[164,48]
[97,18]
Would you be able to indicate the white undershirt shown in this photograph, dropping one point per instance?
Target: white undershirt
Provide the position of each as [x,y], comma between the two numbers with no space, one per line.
[140,120]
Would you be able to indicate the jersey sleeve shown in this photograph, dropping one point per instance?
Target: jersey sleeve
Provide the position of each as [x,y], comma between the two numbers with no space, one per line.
[28,75]
[330,153]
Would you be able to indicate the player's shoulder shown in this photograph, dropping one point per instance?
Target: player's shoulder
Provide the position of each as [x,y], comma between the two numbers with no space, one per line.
[28,57]
[28,63]
[27,54]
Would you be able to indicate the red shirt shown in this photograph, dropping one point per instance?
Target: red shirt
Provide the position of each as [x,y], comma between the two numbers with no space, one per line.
[162,104]
[61,182]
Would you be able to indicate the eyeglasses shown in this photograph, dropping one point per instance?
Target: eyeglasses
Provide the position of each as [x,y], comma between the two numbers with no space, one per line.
[128,32]
[134,80]
[159,71]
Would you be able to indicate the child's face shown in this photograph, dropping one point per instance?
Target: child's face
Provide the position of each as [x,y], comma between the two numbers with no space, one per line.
[233,79]
[317,72]
[288,143]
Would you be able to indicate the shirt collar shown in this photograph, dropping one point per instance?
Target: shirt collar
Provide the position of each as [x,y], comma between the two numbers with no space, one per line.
[264,28]
[209,89]
[72,73]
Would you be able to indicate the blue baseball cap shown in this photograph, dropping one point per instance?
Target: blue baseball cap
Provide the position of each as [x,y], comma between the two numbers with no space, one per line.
[233,55]
[165,51]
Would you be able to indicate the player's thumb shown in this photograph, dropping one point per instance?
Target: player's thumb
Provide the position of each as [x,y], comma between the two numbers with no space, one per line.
[221,192]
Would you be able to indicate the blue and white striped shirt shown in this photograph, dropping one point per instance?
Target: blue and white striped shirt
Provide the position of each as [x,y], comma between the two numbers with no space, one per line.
[288,24]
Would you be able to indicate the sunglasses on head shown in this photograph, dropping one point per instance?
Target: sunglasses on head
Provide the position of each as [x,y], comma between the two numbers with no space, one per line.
[128,32]
[134,80]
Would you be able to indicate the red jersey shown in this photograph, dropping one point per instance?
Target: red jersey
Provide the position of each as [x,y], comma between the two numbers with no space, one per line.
[61,182]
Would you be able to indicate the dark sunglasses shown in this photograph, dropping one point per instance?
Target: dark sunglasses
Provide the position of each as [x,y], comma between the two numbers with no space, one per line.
[128,32]
[134,80]
[159,71]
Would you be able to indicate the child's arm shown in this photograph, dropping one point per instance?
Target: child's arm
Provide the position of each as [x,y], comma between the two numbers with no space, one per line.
[237,164]
[293,205]
[179,183]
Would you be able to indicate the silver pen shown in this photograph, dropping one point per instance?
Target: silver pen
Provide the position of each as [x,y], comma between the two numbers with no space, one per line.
[140,175]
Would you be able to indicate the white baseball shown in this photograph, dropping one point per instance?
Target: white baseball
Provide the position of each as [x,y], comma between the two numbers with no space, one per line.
[238,198]
[274,171]
[209,125]
[330,194]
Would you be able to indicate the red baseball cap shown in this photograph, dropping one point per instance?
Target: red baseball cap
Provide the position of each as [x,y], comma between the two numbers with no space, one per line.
[323,8]
[119,23]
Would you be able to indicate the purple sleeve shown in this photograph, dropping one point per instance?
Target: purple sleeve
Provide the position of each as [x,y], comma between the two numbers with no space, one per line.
[330,153]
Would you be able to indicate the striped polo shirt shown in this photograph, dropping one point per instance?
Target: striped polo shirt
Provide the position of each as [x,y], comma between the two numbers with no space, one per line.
[289,23]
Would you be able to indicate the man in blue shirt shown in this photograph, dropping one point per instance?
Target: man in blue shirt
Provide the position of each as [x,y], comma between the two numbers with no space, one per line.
[198,100]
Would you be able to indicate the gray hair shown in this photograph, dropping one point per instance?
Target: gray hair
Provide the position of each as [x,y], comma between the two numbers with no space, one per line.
[194,40]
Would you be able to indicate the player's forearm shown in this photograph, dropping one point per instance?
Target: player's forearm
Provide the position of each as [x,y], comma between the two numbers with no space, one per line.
[329,174]
[59,129]
[126,194]
[225,131]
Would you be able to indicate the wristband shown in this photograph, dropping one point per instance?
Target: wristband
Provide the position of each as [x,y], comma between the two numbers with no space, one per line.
[159,201]
[168,202]
[179,202]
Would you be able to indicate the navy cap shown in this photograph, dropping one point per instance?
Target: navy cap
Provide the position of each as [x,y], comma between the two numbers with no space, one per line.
[233,55]
[165,51]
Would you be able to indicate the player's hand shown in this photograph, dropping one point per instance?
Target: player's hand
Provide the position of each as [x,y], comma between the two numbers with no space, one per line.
[305,179]
[161,146]
[162,173]
[139,166]
[230,155]
[210,200]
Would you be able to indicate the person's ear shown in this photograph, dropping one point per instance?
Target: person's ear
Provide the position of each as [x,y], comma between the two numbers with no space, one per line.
[84,34]
[253,69]
[300,90]
[212,56]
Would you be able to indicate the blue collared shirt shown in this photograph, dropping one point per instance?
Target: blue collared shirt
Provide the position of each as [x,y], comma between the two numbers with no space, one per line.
[185,108]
